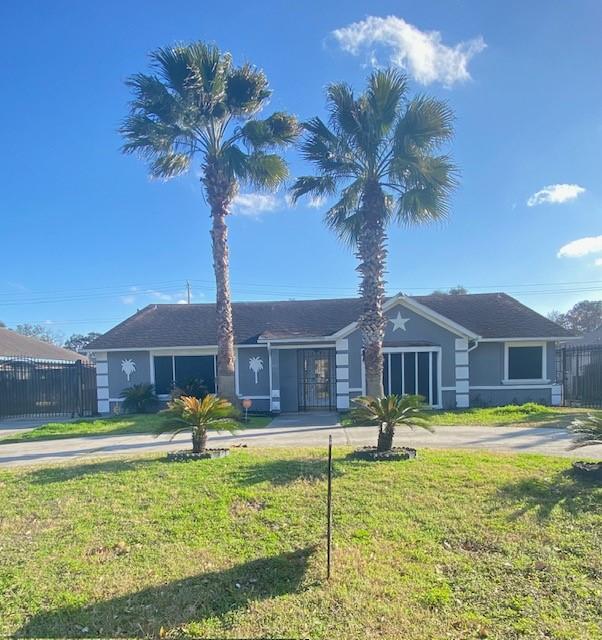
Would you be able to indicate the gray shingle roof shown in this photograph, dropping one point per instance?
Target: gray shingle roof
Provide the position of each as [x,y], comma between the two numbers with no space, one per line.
[490,315]
[494,315]
[14,344]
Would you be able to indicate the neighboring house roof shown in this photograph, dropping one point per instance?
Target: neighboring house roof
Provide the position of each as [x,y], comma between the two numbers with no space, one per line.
[489,315]
[14,344]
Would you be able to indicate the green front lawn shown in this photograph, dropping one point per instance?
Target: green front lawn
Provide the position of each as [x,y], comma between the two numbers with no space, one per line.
[530,414]
[115,426]
[451,545]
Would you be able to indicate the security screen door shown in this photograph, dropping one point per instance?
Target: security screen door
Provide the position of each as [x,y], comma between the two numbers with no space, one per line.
[316,379]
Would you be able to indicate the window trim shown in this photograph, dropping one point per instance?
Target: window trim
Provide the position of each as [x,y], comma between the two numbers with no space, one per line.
[544,363]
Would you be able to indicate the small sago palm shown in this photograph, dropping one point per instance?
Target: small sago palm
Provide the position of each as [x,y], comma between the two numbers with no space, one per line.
[388,413]
[139,398]
[379,155]
[586,431]
[199,415]
[197,104]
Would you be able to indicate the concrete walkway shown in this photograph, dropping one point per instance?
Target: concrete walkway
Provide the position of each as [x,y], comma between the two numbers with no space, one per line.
[505,439]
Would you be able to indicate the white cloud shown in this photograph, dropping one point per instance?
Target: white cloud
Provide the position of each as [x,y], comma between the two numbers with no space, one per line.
[555,194]
[598,262]
[141,293]
[581,247]
[255,204]
[166,297]
[421,53]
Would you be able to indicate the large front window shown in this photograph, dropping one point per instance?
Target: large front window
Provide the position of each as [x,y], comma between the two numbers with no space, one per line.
[179,371]
[525,362]
[412,372]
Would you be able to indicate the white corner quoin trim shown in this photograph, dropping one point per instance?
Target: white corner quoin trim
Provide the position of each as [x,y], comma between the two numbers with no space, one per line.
[462,374]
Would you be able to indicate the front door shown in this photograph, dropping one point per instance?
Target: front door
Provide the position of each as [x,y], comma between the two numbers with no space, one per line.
[316,379]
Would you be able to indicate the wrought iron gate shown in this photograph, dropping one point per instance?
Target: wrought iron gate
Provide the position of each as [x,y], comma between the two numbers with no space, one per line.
[316,379]
[579,368]
[30,387]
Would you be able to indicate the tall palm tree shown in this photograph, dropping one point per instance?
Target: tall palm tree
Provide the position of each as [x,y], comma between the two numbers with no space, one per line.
[379,154]
[197,104]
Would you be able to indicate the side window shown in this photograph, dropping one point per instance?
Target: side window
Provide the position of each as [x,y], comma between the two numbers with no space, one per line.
[525,363]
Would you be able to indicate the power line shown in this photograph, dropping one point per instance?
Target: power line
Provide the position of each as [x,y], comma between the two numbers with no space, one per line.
[172,285]
[168,290]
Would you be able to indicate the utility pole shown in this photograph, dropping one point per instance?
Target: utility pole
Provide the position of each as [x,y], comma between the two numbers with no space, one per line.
[188,290]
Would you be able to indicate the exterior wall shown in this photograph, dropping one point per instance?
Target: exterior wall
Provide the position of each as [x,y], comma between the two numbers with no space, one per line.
[275,390]
[487,363]
[118,380]
[248,387]
[413,329]
[261,405]
[551,361]
[467,377]
[500,397]
[102,383]
[354,352]
[462,373]
[487,370]
[448,399]
[342,374]
[288,380]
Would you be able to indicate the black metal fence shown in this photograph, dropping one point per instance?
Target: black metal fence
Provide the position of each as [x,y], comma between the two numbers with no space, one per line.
[30,387]
[580,370]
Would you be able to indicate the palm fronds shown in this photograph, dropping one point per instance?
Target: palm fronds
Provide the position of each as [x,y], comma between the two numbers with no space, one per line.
[388,413]
[387,142]
[198,415]
[197,101]
[586,431]
[139,398]
[394,410]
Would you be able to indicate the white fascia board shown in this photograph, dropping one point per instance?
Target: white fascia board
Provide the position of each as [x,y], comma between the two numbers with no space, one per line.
[188,348]
[293,341]
[528,339]
[421,310]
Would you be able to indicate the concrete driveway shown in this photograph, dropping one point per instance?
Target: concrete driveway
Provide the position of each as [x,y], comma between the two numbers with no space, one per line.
[542,440]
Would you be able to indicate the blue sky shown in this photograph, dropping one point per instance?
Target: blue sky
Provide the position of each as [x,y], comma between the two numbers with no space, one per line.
[87,238]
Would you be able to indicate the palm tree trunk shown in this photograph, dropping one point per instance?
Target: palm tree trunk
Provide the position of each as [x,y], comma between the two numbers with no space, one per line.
[220,191]
[372,255]
[385,438]
[199,440]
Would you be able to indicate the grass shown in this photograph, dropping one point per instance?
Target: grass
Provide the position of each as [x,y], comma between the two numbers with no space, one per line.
[529,414]
[114,426]
[451,545]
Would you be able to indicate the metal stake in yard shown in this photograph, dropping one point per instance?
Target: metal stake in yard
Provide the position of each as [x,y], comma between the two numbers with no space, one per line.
[329,511]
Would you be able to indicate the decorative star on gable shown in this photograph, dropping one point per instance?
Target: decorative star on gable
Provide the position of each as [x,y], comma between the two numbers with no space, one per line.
[398,322]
